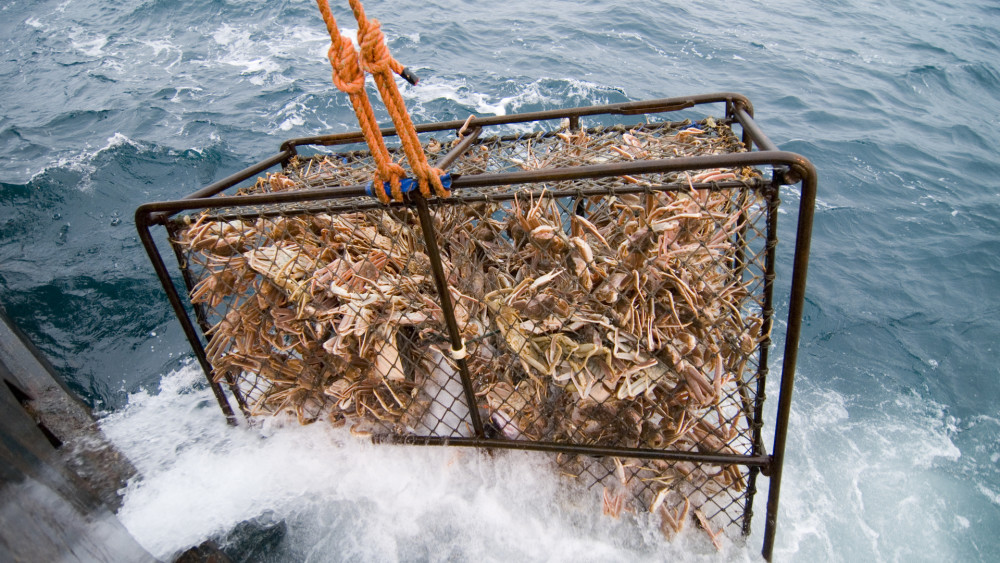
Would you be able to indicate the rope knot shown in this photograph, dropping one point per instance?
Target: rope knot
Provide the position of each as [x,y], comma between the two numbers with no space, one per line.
[374,52]
[347,74]
[434,177]
[392,173]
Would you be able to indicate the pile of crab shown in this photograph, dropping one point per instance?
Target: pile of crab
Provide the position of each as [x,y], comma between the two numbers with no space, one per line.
[620,319]
[623,326]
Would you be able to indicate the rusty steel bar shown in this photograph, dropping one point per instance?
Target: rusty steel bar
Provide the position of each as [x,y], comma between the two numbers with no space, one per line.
[626,108]
[229,181]
[796,304]
[767,310]
[441,283]
[742,107]
[751,128]
[199,313]
[142,223]
[447,309]
[217,203]
[462,146]
[759,158]
[577,449]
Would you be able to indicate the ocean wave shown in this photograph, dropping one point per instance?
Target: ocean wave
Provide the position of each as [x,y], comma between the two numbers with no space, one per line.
[83,162]
[163,171]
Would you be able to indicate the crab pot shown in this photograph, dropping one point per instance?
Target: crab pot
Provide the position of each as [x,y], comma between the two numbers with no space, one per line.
[598,285]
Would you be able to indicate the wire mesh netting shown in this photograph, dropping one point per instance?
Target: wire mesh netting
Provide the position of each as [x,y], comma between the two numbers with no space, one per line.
[620,311]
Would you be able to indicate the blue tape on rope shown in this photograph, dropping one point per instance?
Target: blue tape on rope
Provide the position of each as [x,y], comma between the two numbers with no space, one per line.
[406,185]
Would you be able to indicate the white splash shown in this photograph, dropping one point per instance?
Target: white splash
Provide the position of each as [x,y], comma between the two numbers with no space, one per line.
[88,43]
[258,59]
[868,480]
[340,495]
[160,46]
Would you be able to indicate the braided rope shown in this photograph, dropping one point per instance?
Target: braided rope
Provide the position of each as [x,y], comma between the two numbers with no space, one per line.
[377,60]
[350,79]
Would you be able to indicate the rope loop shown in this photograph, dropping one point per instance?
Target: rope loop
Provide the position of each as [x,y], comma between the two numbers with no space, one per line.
[397,174]
[375,57]
[377,60]
[435,180]
[348,76]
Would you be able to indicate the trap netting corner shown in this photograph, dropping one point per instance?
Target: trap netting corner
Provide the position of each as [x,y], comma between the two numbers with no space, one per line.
[619,311]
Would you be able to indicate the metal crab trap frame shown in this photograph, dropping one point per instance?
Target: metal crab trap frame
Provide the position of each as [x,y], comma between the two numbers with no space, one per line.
[603,293]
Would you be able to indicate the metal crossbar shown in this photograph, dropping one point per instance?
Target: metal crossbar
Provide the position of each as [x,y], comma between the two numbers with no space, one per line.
[602,293]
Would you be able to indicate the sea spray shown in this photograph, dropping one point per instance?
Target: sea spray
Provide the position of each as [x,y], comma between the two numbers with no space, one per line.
[341,497]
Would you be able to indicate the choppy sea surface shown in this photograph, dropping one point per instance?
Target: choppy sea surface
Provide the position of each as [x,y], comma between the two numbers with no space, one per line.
[895,432]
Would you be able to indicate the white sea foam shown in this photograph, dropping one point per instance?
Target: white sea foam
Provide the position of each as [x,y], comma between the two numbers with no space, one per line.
[160,46]
[844,473]
[989,493]
[263,54]
[86,42]
[240,50]
[540,92]
[455,90]
[637,37]
[362,501]
[291,115]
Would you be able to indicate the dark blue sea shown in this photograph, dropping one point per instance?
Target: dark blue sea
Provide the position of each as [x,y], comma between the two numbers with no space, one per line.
[895,431]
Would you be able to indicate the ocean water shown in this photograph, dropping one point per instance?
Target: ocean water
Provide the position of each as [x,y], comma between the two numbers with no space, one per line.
[895,432]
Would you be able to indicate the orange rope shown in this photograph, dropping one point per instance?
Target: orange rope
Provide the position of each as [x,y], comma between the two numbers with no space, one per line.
[377,60]
[349,78]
